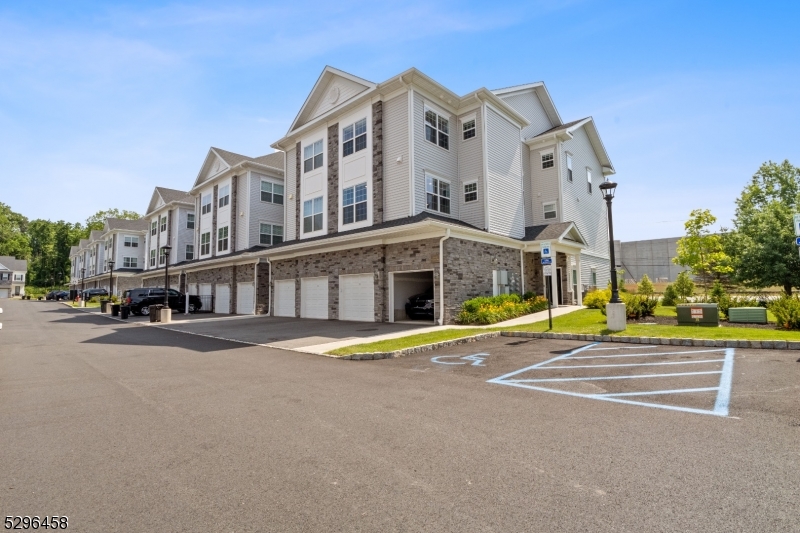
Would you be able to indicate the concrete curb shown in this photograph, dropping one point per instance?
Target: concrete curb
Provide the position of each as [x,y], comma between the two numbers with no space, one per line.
[706,343]
[417,349]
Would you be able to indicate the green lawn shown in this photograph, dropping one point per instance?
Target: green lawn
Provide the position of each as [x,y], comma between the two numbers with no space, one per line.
[88,304]
[586,321]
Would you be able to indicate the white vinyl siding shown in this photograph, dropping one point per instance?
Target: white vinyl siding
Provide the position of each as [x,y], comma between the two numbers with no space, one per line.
[314,298]
[290,207]
[347,89]
[266,212]
[529,106]
[243,213]
[284,298]
[357,297]
[182,236]
[395,145]
[504,184]
[470,169]
[544,184]
[432,158]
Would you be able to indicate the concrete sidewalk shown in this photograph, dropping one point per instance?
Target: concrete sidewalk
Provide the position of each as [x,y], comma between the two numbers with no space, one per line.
[526,319]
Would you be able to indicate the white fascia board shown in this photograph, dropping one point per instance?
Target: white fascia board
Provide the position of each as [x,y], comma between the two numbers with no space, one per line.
[517,88]
[502,107]
[231,171]
[599,147]
[206,161]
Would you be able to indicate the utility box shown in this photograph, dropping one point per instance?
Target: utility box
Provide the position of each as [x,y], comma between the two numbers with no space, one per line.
[747,315]
[698,315]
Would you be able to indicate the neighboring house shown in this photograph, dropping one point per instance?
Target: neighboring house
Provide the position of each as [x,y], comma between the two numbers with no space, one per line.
[12,276]
[170,220]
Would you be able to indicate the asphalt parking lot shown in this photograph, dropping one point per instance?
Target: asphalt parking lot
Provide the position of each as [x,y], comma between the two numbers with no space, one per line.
[129,428]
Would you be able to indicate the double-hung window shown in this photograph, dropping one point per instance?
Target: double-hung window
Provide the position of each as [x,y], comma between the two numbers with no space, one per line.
[152,258]
[589,179]
[131,242]
[569,167]
[189,254]
[163,224]
[206,205]
[129,262]
[312,215]
[468,128]
[224,196]
[312,156]
[154,227]
[354,137]
[549,211]
[222,239]
[190,221]
[354,203]
[270,234]
[438,194]
[547,160]
[471,191]
[437,128]
[271,192]
[205,243]
[162,256]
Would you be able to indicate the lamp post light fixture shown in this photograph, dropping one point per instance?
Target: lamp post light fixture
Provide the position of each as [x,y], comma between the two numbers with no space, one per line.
[165,250]
[83,275]
[608,188]
[110,278]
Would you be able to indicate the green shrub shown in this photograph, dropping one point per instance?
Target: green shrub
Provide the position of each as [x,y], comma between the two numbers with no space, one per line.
[645,286]
[640,305]
[787,312]
[670,296]
[94,300]
[684,286]
[597,299]
[490,310]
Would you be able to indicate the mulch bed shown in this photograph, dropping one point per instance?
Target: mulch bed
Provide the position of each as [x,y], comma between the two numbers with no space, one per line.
[673,321]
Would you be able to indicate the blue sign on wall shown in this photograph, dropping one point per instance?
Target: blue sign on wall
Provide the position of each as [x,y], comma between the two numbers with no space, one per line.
[547,260]
[797,241]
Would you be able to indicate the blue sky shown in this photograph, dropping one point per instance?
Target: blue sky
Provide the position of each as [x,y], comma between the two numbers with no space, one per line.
[101,102]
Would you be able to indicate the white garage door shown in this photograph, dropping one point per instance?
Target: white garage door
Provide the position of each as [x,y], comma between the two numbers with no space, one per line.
[222,303]
[284,297]
[245,296]
[314,297]
[204,289]
[3,293]
[357,297]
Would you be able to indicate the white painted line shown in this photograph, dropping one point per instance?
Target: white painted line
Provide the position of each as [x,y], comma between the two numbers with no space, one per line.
[542,380]
[637,364]
[622,348]
[646,354]
[563,356]
[648,393]
[724,396]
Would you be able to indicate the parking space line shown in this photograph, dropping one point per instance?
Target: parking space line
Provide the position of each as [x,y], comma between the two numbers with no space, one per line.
[640,364]
[724,396]
[646,354]
[654,392]
[538,365]
[541,380]
[640,346]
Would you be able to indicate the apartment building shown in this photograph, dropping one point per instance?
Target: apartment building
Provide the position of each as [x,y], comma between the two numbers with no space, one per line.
[12,276]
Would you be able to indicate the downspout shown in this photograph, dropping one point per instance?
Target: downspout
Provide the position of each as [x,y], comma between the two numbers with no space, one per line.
[269,289]
[522,266]
[441,275]
[255,285]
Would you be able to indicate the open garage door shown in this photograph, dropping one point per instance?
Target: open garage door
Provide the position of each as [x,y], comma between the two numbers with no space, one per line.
[222,302]
[357,297]
[245,299]
[284,297]
[314,297]
[411,296]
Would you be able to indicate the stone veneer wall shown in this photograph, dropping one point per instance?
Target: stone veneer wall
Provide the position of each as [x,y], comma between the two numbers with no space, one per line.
[333,178]
[468,271]
[377,162]
[126,283]
[298,158]
[534,281]
[262,288]
[561,262]
[158,281]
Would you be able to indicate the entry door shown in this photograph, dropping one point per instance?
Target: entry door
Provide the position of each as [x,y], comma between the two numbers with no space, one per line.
[357,297]
[245,296]
[314,297]
[284,297]
[560,295]
[222,303]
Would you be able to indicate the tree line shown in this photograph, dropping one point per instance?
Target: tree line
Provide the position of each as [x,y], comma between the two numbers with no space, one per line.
[46,244]
[759,250]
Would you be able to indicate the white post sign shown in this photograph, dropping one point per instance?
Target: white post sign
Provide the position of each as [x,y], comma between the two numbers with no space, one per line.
[547,270]
[545,249]
[797,224]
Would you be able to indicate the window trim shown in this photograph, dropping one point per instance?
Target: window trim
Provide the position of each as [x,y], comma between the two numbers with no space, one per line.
[192,222]
[475,183]
[314,155]
[187,253]
[555,210]
[303,217]
[355,204]
[153,228]
[133,262]
[132,243]
[224,200]
[449,197]
[223,240]
[466,120]
[568,167]
[551,160]
[439,132]
[271,233]
[162,222]
[589,179]
[354,139]
[272,193]
[206,244]
[153,257]
[205,207]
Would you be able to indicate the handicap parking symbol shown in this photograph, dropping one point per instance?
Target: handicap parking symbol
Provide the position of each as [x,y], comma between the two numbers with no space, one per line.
[477,359]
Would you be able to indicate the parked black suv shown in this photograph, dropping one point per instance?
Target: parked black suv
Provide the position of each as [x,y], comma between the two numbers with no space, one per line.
[421,305]
[140,300]
[88,294]
[57,295]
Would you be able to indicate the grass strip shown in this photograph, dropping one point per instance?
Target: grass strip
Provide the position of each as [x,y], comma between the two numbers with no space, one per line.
[390,345]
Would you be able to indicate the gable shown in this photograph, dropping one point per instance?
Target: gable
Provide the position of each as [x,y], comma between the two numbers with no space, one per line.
[333,89]
[529,105]
[213,165]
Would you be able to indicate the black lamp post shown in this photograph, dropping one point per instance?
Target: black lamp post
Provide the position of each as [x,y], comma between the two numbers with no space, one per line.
[608,188]
[83,275]
[111,278]
[166,249]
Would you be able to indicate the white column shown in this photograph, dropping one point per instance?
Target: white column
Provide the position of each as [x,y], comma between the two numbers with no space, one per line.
[580,276]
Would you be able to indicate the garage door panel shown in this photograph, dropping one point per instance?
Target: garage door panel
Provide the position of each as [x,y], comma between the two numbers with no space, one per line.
[284,297]
[314,298]
[4,293]
[357,297]
[222,302]
[245,299]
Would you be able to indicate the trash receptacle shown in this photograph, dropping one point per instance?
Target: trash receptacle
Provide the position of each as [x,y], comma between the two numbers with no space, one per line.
[115,309]
[698,315]
[104,306]
[124,311]
[155,313]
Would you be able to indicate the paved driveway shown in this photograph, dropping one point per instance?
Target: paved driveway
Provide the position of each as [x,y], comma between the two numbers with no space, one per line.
[282,332]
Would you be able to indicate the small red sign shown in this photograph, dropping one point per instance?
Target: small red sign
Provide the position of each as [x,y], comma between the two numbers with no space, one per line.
[697,312]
